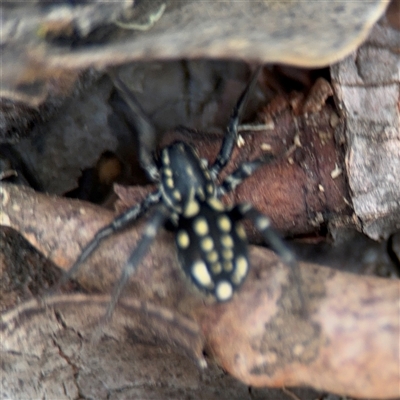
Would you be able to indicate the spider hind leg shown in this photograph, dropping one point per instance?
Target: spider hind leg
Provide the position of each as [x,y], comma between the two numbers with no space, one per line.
[154,223]
[263,224]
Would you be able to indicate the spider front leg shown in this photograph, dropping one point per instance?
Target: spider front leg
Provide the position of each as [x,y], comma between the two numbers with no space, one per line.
[132,113]
[244,171]
[158,219]
[119,223]
[231,134]
[263,224]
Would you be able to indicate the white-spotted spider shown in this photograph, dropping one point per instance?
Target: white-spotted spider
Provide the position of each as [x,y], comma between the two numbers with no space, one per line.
[210,239]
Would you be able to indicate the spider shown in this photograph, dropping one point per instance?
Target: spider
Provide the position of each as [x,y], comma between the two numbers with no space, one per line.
[210,238]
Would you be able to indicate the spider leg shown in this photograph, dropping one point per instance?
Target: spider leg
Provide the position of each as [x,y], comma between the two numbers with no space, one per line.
[272,238]
[159,217]
[232,129]
[122,221]
[244,171]
[134,116]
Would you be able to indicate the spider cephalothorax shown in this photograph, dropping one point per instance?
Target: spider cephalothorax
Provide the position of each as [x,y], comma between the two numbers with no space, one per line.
[211,241]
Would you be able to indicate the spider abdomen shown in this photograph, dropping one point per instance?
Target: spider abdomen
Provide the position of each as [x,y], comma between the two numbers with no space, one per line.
[212,249]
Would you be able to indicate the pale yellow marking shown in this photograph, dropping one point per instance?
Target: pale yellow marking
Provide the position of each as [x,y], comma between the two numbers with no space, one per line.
[183,239]
[227,241]
[192,209]
[241,269]
[224,291]
[207,175]
[177,195]
[216,204]
[207,244]
[216,268]
[169,182]
[201,274]
[240,231]
[201,226]
[228,266]
[189,171]
[200,193]
[165,157]
[262,223]
[168,172]
[224,223]
[210,188]
[227,254]
[212,256]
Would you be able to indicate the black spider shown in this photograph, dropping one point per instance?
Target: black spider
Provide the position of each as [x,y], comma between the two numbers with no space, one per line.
[211,241]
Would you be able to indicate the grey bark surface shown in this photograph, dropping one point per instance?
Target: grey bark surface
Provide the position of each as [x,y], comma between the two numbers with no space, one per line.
[367,87]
